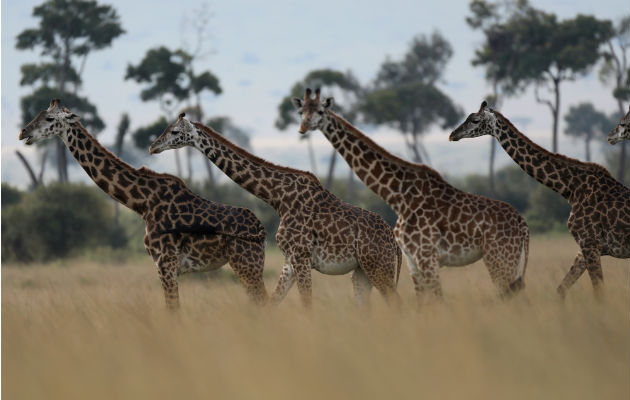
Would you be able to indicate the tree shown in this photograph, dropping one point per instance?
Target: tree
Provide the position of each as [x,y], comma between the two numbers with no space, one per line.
[405,93]
[616,70]
[170,78]
[528,47]
[585,121]
[68,31]
[343,85]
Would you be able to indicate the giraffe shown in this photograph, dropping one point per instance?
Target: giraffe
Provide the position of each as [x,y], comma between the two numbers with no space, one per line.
[183,231]
[600,206]
[316,231]
[621,131]
[438,225]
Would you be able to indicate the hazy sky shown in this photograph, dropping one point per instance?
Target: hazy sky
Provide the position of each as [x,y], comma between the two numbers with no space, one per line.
[261,48]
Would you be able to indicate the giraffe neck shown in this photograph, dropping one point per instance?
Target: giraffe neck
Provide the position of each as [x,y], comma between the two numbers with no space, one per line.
[385,174]
[261,178]
[115,177]
[560,173]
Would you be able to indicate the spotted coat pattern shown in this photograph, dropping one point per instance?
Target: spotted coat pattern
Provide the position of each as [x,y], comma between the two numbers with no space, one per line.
[621,131]
[317,230]
[437,225]
[184,232]
[600,205]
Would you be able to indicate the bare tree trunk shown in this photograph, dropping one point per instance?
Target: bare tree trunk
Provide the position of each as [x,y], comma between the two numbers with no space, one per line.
[178,163]
[351,187]
[210,173]
[331,169]
[588,148]
[189,167]
[311,154]
[491,166]
[556,112]
[34,181]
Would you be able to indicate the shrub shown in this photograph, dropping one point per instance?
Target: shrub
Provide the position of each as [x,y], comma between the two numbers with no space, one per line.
[55,220]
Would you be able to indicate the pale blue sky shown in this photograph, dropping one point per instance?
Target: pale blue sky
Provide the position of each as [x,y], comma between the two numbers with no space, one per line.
[261,48]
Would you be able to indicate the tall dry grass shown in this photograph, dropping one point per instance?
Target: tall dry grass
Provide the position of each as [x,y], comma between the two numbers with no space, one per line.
[91,331]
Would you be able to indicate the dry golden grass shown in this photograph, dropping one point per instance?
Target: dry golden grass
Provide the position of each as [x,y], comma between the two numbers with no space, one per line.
[88,331]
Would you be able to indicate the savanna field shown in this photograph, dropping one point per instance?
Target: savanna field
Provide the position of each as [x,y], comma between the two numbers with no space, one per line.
[92,330]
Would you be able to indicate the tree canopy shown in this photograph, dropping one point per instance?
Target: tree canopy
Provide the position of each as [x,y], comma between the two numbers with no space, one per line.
[526,46]
[584,121]
[67,31]
[405,94]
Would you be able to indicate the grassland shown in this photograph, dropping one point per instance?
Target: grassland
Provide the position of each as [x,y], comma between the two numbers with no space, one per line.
[86,330]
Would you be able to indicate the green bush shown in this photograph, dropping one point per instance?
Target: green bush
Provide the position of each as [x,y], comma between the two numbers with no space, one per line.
[56,220]
[548,212]
[10,195]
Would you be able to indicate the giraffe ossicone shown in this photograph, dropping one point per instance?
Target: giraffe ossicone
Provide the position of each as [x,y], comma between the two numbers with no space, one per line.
[316,231]
[184,232]
[438,225]
[600,206]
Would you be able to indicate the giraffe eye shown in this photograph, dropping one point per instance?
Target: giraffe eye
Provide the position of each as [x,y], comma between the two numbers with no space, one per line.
[50,119]
[175,131]
[300,112]
[320,112]
[476,120]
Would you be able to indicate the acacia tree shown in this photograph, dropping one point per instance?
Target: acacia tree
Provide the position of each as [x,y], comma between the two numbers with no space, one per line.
[346,89]
[586,122]
[68,31]
[527,46]
[169,78]
[615,70]
[405,94]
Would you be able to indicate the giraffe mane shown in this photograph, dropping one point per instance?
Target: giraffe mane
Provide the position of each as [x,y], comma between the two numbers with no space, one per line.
[142,170]
[256,159]
[377,148]
[562,157]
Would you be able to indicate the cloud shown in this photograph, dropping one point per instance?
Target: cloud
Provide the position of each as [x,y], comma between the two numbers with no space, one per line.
[303,58]
[250,59]
[244,83]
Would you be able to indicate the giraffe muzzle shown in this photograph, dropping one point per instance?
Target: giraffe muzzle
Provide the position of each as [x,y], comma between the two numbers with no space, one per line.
[153,150]
[25,136]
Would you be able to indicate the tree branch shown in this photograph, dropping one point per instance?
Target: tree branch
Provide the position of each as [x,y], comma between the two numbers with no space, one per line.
[543,101]
[34,180]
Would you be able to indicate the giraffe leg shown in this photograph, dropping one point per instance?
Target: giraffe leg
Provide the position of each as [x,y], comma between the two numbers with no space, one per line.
[381,273]
[286,280]
[247,259]
[425,274]
[594,268]
[167,269]
[362,287]
[302,268]
[503,265]
[577,269]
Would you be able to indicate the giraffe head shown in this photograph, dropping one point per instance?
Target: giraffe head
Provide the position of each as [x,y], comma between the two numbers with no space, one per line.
[54,120]
[483,122]
[179,134]
[621,131]
[311,110]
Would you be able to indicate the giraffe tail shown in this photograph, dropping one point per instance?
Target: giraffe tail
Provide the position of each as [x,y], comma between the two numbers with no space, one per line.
[398,261]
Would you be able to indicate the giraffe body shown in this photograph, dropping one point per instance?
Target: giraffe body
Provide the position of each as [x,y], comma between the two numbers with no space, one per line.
[438,225]
[316,231]
[600,206]
[183,232]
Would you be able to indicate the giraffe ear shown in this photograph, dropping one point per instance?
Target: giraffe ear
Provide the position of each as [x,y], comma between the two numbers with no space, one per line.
[70,116]
[328,102]
[297,102]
